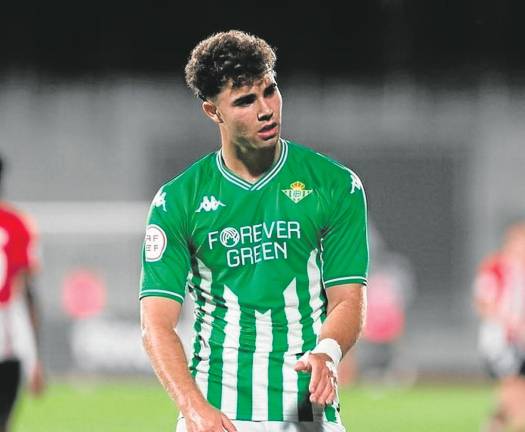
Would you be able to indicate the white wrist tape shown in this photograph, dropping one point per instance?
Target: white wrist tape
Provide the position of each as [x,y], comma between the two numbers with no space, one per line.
[331,348]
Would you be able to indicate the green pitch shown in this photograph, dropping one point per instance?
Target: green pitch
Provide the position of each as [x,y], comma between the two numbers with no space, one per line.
[138,406]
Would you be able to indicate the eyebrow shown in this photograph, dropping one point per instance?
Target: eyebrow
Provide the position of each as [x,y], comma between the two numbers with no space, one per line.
[250,97]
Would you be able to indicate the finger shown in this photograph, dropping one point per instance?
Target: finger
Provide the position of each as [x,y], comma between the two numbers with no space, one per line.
[302,366]
[316,377]
[227,424]
[331,399]
[325,395]
[319,388]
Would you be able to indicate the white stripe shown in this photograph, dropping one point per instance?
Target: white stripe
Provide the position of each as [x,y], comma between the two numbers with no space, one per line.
[314,288]
[205,313]
[20,336]
[261,364]
[276,168]
[162,292]
[230,354]
[238,181]
[360,278]
[295,344]
[316,303]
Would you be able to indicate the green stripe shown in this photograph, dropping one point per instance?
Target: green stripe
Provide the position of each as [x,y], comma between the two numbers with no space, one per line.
[310,339]
[245,365]
[197,324]
[216,344]
[304,405]
[330,413]
[275,367]
[329,410]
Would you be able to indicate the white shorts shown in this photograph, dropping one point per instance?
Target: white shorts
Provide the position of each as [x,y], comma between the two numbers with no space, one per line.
[277,426]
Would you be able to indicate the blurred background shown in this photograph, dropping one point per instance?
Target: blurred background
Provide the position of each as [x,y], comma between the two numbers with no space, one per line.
[424,100]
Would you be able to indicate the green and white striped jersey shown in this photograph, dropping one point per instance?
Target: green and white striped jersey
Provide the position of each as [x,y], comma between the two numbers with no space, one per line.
[257,259]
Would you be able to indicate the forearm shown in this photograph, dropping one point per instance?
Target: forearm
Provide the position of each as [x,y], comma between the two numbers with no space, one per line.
[345,319]
[167,357]
[32,305]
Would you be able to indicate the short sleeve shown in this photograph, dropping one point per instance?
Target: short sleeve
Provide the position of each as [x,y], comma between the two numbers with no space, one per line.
[165,251]
[22,256]
[488,285]
[345,240]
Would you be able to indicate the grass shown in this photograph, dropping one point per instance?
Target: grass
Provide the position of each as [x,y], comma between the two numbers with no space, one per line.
[133,405]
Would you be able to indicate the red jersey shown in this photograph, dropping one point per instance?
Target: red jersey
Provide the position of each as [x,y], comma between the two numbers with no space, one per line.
[501,283]
[385,318]
[15,250]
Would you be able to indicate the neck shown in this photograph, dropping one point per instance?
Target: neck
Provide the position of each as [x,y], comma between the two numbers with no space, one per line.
[250,164]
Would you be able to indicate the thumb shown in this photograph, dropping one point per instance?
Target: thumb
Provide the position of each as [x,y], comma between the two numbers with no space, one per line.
[303,364]
[227,424]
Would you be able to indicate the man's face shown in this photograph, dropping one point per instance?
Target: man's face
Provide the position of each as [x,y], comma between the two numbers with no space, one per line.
[251,115]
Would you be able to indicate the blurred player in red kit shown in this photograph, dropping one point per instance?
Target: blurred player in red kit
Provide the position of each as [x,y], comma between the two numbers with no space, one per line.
[500,301]
[391,288]
[18,317]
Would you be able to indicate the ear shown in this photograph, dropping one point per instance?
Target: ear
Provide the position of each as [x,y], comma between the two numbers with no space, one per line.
[210,109]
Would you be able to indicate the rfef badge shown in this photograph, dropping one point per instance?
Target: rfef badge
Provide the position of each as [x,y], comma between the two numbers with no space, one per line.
[297,191]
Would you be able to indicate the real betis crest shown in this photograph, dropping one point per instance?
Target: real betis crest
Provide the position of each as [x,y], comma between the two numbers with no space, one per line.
[297,191]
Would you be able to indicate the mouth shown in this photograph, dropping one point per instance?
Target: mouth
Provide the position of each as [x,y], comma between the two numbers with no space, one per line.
[268,131]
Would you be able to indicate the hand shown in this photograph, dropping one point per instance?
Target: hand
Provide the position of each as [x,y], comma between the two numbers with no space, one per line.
[323,382]
[36,379]
[202,417]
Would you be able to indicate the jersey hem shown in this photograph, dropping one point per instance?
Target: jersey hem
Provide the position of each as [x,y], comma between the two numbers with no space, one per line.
[344,280]
[161,293]
[233,416]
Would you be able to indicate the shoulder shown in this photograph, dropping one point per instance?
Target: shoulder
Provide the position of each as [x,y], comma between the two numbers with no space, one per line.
[332,170]
[16,219]
[198,171]
[492,264]
[173,196]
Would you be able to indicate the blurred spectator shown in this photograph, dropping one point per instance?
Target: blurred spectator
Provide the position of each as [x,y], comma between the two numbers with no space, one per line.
[500,302]
[389,292]
[18,317]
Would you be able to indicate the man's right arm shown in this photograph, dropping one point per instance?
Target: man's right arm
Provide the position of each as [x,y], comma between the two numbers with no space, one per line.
[159,317]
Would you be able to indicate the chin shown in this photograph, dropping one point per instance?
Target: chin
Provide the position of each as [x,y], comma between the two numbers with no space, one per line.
[271,142]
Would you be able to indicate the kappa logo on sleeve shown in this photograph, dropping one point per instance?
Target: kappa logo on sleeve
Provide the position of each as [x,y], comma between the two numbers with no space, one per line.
[160,200]
[356,183]
[155,243]
[209,204]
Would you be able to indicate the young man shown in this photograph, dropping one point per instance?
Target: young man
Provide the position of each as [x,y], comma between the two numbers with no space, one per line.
[500,301]
[18,318]
[270,239]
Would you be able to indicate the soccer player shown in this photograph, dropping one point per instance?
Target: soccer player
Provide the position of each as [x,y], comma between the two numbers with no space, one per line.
[270,239]
[500,301]
[18,314]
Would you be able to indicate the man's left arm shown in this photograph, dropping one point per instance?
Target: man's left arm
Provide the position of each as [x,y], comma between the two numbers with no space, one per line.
[344,321]
[344,248]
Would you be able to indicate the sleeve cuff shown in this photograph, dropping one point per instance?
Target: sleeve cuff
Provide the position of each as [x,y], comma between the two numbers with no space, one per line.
[161,293]
[345,280]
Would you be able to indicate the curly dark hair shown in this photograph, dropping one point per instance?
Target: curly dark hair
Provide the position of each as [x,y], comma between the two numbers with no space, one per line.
[233,56]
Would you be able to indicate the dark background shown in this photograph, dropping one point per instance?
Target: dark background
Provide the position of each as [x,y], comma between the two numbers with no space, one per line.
[452,40]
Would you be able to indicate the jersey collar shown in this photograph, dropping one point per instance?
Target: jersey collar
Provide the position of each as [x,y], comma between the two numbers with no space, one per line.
[263,181]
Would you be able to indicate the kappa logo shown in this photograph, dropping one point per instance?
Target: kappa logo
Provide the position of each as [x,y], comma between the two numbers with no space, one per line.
[297,192]
[160,200]
[209,204]
[356,183]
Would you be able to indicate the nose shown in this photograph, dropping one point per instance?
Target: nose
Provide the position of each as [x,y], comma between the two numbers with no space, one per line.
[265,112]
